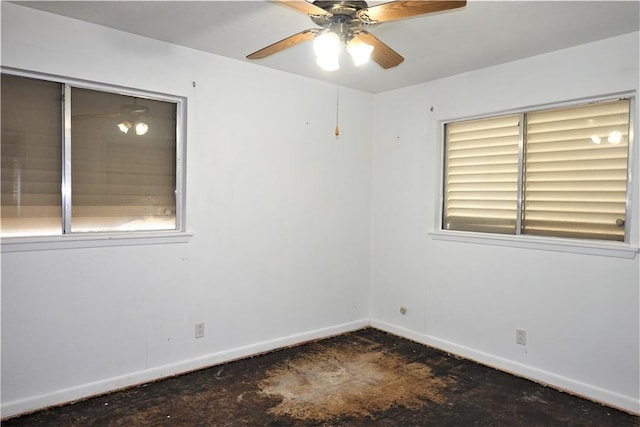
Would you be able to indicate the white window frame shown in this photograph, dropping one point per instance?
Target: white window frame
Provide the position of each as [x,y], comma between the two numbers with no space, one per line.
[84,240]
[627,249]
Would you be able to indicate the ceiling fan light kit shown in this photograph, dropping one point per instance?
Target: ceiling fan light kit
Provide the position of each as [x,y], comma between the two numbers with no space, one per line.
[345,23]
[359,51]
[327,49]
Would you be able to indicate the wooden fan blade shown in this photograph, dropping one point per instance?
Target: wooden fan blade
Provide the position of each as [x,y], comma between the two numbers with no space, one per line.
[405,9]
[283,44]
[382,54]
[303,6]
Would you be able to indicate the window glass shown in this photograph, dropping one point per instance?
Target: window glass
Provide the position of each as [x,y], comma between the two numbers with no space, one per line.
[123,157]
[31,152]
[572,164]
[481,178]
[576,171]
[113,169]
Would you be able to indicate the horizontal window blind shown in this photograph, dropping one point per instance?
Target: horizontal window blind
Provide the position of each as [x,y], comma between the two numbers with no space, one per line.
[575,178]
[31,156]
[481,178]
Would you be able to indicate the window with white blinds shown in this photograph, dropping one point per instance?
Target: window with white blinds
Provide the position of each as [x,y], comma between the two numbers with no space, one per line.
[481,178]
[79,160]
[559,172]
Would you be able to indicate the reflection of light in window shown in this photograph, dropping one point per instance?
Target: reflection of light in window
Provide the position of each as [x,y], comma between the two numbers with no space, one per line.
[595,139]
[615,137]
[124,126]
[141,128]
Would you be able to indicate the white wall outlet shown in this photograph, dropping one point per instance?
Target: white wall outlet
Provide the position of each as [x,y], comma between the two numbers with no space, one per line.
[521,337]
[199,330]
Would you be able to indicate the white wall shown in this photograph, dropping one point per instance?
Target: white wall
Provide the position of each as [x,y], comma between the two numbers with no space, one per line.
[279,210]
[580,311]
[284,249]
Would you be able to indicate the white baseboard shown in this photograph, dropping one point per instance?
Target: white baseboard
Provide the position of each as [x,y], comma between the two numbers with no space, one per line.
[588,391]
[83,391]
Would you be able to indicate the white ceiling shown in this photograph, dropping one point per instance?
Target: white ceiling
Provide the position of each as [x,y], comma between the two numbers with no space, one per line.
[481,34]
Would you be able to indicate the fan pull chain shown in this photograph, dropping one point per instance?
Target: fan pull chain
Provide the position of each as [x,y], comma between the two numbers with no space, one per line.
[337,110]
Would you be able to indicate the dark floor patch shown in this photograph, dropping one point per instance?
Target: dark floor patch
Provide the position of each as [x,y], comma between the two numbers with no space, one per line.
[364,378]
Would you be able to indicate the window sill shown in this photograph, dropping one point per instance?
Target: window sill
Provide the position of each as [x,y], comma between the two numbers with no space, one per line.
[96,240]
[609,249]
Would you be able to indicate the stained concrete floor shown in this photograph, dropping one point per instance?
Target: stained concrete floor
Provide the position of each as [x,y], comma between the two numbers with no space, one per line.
[363,378]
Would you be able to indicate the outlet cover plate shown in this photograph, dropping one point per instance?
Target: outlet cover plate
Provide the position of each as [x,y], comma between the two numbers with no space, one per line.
[199,330]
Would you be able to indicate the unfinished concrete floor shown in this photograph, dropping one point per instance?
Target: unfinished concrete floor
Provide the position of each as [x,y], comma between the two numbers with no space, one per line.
[363,378]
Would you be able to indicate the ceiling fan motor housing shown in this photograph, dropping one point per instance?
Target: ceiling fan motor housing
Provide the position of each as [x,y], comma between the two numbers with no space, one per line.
[342,18]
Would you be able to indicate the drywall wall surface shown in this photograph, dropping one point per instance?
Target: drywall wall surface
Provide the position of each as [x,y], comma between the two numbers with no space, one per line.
[580,311]
[278,208]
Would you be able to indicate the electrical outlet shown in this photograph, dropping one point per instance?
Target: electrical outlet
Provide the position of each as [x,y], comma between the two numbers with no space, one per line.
[521,337]
[199,330]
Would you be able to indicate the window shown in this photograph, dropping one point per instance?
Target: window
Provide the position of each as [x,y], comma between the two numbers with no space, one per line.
[559,172]
[77,160]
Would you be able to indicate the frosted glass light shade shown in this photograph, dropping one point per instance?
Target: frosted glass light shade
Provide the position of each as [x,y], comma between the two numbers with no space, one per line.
[327,48]
[327,44]
[360,51]
[328,63]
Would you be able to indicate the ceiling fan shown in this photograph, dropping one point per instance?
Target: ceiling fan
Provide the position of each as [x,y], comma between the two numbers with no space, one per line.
[345,22]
